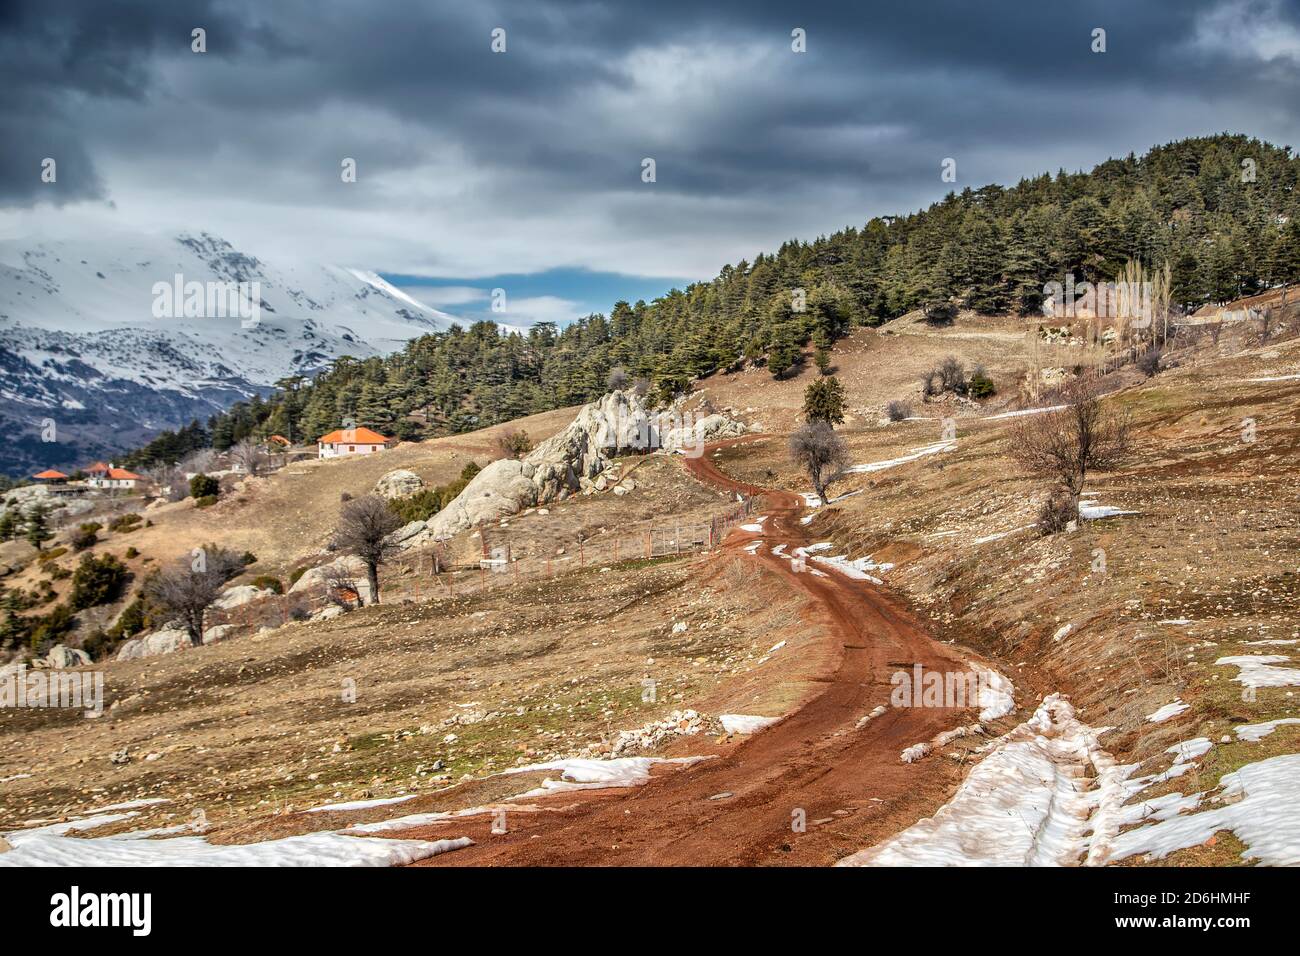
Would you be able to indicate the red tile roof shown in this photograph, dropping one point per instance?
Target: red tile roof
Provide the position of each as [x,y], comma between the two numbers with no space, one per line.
[49,474]
[353,436]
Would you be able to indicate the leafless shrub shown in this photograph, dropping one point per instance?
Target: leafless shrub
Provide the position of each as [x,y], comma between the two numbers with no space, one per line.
[618,379]
[363,529]
[187,588]
[1057,512]
[1064,446]
[898,411]
[952,375]
[821,453]
[514,443]
[198,462]
[1149,361]
[341,587]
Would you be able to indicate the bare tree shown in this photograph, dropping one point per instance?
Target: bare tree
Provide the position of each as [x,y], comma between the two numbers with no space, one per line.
[821,453]
[1064,446]
[248,455]
[170,481]
[198,462]
[364,527]
[187,588]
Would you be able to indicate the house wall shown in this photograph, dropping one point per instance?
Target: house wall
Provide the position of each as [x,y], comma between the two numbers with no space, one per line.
[343,449]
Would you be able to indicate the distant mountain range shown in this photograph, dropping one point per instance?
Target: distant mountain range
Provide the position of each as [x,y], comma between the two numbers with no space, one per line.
[95,354]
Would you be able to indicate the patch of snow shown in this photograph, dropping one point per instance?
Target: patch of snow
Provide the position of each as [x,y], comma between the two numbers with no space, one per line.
[744,724]
[360,804]
[1187,750]
[1091,511]
[996,695]
[1025,411]
[580,773]
[902,460]
[855,569]
[1257,732]
[1046,794]
[1258,670]
[46,848]
[915,752]
[1168,710]
[1260,804]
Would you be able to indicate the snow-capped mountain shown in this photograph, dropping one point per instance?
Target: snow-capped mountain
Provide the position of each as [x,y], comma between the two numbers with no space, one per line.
[92,340]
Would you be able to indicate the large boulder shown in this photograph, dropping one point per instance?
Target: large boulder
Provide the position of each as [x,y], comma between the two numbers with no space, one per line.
[165,641]
[691,437]
[219,633]
[239,596]
[558,467]
[399,484]
[61,656]
[314,578]
[406,532]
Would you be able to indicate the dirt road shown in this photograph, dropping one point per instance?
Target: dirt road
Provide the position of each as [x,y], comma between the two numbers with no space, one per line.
[738,807]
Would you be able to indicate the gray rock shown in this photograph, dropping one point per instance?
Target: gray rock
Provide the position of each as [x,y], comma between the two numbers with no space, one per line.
[406,532]
[239,596]
[61,656]
[399,484]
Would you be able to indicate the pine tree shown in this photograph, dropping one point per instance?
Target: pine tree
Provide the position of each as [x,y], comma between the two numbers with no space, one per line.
[823,401]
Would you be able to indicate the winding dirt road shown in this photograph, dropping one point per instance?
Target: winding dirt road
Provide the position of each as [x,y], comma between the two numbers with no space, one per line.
[850,782]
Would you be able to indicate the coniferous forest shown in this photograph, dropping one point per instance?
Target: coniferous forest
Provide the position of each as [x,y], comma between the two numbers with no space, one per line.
[1223,212]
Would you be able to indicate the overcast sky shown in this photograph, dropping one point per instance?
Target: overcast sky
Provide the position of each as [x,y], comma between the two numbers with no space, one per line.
[523,169]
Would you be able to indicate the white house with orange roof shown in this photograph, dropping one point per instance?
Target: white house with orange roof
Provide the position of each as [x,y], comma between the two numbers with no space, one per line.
[350,441]
[100,475]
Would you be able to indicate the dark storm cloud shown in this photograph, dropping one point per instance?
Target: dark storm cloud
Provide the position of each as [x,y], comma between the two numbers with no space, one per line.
[712,91]
[59,60]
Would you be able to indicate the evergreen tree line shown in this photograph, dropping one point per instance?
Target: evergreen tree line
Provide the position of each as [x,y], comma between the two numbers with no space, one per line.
[1223,212]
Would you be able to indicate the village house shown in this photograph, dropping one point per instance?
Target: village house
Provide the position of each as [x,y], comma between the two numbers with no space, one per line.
[350,441]
[100,475]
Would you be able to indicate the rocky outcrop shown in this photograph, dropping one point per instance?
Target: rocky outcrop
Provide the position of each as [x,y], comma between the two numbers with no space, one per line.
[314,579]
[170,639]
[555,469]
[61,656]
[688,437]
[239,596]
[578,459]
[399,484]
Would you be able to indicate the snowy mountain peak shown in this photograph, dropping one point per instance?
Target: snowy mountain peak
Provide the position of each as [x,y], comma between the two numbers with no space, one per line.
[117,338]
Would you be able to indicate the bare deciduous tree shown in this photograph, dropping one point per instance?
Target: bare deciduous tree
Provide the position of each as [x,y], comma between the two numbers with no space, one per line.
[1065,445]
[198,462]
[170,481]
[364,527]
[248,455]
[187,588]
[821,453]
